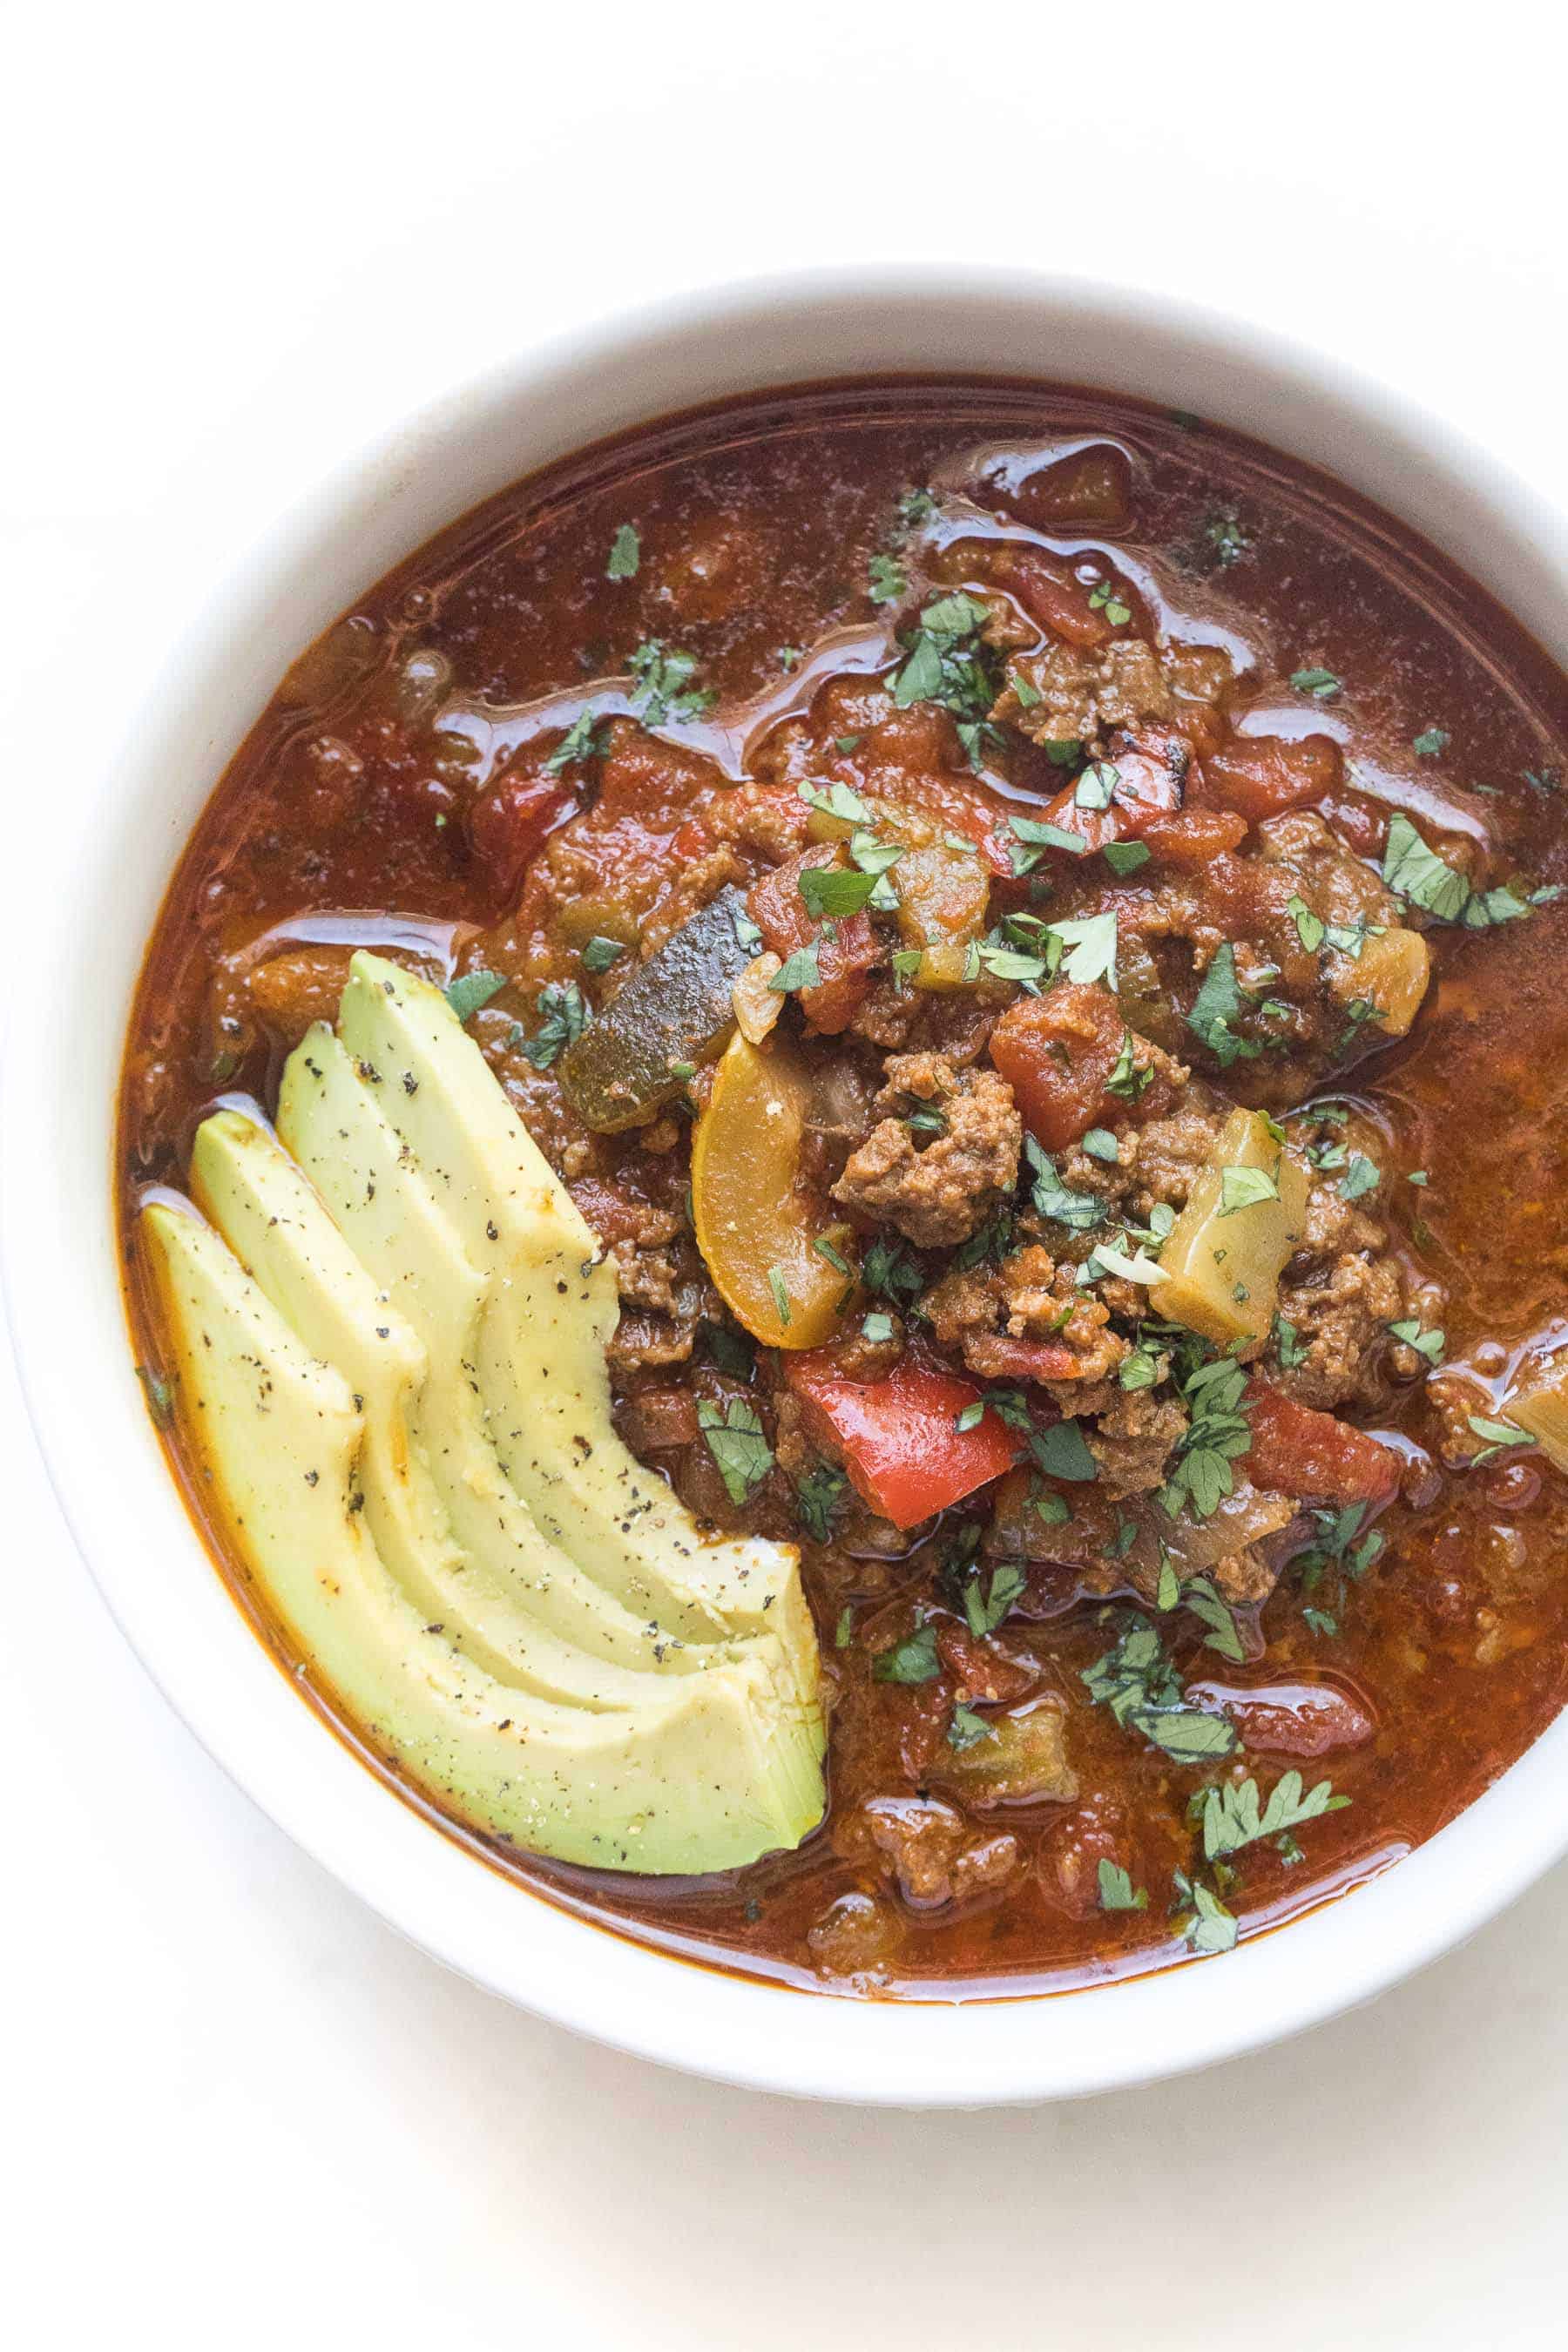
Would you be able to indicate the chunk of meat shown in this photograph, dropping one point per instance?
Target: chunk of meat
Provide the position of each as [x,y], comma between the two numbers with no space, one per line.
[1341,1318]
[928,1848]
[941,1194]
[1025,1319]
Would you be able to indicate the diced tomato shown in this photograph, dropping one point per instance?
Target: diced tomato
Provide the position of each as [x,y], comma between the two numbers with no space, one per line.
[1303,1719]
[1298,1451]
[1043,585]
[1146,792]
[1088,489]
[900,1438]
[1259,775]
[1194,836]
[509,820]
[1058,1054]
[1361,824]
[845,954]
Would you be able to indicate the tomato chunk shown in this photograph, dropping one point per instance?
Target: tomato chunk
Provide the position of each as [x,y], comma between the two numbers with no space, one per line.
[1145,790]
[1193,838]
[1043,585]
[1259,775]
[1058,1053]
[509,820]
[900,1438]
[845,955]
[1298,1451]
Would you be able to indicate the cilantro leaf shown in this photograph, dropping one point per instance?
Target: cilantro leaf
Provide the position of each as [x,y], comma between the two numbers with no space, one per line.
[581,741]
[739,1445]
[1235,1815]
[563,1016]
[626,554]
[818,1496]
[474,989]
[664,688]
[913,1660]
[1117,1892]
[831,891]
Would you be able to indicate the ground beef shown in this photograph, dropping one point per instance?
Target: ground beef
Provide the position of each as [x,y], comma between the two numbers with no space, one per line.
[929,1848]
[957,1023]
[939,1195]
[1334,883]
[1083,695]
[985,1312]
[1340,1319]
[700,883]
[1132,1440]
[1156,1163]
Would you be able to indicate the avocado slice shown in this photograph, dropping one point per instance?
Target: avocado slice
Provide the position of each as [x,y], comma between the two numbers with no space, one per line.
[279,1230]
[705,1775]
[551,1310]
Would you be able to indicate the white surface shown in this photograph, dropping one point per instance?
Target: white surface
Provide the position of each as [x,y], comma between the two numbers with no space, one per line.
[240,2106]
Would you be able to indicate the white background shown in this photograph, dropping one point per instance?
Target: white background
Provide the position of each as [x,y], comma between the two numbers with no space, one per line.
[237,2111]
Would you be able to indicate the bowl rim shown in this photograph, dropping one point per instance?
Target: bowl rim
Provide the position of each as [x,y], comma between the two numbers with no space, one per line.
[60,1274]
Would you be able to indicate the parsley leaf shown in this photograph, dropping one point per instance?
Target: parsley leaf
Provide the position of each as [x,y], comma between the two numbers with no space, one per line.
[663,684]
[1235,1815]
[913,1660]
[474,989]
[626,554]
[739,1445]
[563,1016]
[581,741]
[1117,1892]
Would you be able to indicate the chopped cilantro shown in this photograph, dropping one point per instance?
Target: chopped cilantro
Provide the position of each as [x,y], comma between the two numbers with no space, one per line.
[1208,1926]
[1097,785]
[474,989]
[1362,1176]
[844,1630]
[1430,743]
[830,891]
[1061,1453]
[1126,856]
[1103,598]
[1117,1892]
[563,1016]
[1100,1144]
[581,741]
[878,1329]
[600,952]
[1235,1815]
[1311,928]
[626,554]
[780,1294]
[1497,1436]
[913,1660]
[802,969]
[663,685]
[1430,1344]
[1217,1005]
[739,1445]
[818,1496]
[1242,1188]
[1137,1683]
[967,1730]
[887,580]
[1321,684]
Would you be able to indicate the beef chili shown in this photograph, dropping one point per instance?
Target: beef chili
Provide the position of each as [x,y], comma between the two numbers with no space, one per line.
[924,859]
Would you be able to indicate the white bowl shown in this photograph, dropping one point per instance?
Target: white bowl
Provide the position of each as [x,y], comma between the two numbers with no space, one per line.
[120,833]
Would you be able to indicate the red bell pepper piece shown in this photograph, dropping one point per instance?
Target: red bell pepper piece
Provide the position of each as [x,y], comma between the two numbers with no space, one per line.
[508,824]
[899,1437]
[1298,1451]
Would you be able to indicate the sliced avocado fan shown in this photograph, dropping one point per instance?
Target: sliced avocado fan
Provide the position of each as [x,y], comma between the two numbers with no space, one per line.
[421,1474]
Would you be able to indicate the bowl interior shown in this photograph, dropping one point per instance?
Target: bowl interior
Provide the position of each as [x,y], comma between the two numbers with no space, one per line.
[123,830]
